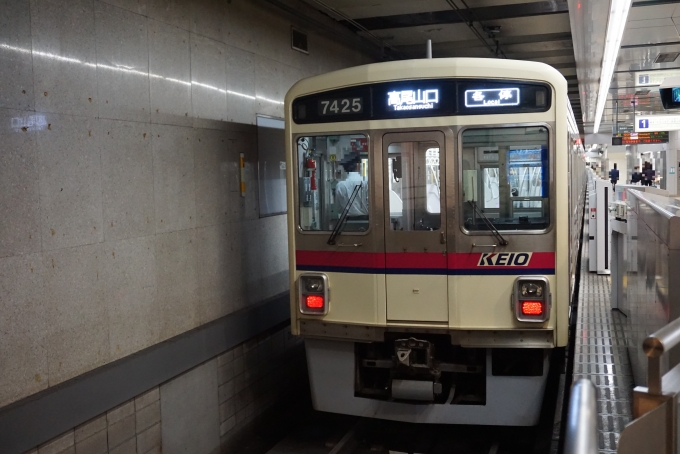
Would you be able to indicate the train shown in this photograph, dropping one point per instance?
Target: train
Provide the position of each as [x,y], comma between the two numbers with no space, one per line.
[434,212]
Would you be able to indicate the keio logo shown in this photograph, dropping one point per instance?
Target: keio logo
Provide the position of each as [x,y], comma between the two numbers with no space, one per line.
[505,259]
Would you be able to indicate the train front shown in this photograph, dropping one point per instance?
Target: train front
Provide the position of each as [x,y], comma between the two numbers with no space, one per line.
[428,237]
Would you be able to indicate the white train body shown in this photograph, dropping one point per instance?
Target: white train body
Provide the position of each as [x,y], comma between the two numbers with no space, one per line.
[433,227]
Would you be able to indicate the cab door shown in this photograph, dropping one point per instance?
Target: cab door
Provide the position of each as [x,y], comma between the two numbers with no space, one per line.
[415,224]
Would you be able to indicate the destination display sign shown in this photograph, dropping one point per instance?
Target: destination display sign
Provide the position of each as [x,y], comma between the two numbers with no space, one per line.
[401,100]
[492,97]
[640,138]
[422,98]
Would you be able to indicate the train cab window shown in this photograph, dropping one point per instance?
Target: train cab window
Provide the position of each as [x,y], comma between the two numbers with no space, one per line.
[506,178]
[414,189]
[333,182]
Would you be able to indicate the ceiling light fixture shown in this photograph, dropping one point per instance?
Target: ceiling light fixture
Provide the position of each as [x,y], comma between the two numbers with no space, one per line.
[641,92]
[618,14]
[666,57]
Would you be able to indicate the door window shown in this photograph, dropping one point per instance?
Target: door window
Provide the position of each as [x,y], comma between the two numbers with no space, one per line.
[506,178]
[333,182]
[414,185]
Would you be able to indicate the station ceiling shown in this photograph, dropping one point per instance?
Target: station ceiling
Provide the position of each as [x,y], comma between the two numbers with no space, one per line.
[650,37]
[515,29]
[567,34]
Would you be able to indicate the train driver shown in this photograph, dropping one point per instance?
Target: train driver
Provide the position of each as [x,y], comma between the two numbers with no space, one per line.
[358,211]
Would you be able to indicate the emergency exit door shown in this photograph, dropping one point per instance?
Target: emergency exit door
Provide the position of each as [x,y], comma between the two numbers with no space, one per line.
[415,227]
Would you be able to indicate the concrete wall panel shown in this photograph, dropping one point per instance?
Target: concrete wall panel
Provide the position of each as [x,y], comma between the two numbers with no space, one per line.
[23,322]
[19,196]
[127,179]
[170,59]
[64,56]
[70,182]
[121,124]
[122,64]
[16,69]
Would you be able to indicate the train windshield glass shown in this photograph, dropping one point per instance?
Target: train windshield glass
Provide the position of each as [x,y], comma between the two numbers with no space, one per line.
[333,178]
[506,175]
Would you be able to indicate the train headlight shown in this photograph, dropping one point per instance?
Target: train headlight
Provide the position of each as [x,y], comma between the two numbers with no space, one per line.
[313,293]
[532,289]
[531,299]
[314,284]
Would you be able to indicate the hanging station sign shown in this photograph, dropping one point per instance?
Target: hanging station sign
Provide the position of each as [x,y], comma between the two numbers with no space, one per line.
[657,123]
[653,78]
[638,138]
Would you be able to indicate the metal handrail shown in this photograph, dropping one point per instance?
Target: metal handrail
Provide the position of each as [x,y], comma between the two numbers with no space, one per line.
[581,432]
[655,429]
[655,346]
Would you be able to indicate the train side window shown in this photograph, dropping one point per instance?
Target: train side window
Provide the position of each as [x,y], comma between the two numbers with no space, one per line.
[333,177]
[414,188]
[506,178]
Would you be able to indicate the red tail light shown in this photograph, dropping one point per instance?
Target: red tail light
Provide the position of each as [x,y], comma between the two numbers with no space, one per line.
[314,301]
[532,308]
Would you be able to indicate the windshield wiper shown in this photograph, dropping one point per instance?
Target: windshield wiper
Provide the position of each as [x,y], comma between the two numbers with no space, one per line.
[502,241]
[343,217]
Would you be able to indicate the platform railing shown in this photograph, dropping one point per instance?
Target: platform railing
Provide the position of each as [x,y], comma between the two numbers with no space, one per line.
[654,428]
[581,430]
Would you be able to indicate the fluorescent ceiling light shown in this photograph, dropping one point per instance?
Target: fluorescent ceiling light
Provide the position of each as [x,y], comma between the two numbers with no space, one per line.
[618,14]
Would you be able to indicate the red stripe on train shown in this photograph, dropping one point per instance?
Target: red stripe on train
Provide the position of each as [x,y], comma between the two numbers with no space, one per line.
[425,260]
[420,260]
[344,259]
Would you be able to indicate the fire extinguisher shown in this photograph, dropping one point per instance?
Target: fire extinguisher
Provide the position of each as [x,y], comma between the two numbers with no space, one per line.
[310,166]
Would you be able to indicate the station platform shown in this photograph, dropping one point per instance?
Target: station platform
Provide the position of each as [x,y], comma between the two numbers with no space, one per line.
[601,354]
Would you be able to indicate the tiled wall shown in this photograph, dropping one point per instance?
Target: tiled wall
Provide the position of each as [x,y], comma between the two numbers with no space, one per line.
[202,411]
[121,224]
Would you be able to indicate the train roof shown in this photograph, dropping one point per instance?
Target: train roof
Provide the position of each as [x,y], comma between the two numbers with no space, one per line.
[428,69]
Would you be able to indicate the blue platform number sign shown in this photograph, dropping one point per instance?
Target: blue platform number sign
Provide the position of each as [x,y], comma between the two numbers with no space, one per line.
[494,97]
[643,124]
[643,79]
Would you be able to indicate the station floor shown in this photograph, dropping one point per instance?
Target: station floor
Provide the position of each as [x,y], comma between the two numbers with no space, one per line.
[600,354]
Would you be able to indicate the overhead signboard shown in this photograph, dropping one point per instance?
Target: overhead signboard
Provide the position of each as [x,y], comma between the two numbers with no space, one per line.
[657,123]
[640,138]
[653,78]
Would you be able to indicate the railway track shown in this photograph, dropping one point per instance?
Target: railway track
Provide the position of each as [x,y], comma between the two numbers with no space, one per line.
[325,433]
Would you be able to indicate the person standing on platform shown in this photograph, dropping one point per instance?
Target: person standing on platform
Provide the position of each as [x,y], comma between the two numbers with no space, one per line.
[649,174]
[614,176]
[643,178]
[636,177]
